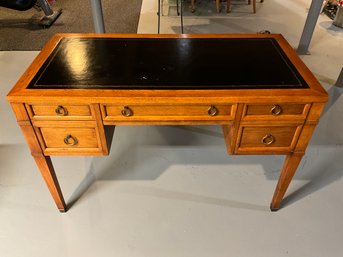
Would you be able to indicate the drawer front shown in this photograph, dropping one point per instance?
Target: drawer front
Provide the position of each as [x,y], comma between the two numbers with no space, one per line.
[168,112]
[70,138]
[60,112]
[268,139]
[275,111]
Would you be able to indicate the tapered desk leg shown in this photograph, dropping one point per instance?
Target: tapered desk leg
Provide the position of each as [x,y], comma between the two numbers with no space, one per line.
[48,173]
[288,170]
[43,162]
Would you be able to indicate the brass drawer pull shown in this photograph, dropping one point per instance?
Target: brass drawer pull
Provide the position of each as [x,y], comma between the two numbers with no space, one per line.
[126,111]
[61,111]
[212,111]
[267,139]
[276,110]
[70,140]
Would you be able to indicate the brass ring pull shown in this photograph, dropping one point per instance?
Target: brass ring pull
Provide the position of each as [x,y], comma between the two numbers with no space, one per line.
[212,111]
[126,111]
[267,139]
[70,140]
[61,111]
[276,110]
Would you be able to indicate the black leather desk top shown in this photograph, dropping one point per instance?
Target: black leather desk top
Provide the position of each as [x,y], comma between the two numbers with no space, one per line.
[167,63]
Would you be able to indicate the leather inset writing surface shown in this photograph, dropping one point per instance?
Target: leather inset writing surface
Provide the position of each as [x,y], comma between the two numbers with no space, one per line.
[168,63]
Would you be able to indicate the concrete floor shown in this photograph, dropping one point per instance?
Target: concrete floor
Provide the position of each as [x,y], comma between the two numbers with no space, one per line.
[173,191]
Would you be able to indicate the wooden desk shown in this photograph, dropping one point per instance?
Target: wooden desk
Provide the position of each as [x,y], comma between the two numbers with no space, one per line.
[254,86]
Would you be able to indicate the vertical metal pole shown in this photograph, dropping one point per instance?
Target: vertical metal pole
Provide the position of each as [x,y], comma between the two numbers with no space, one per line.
[159,16]
[45,7]
[310,24]
[181,16]
[339,82]
[98,18]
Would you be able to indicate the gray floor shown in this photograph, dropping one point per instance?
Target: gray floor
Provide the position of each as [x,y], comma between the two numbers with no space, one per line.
[173,191]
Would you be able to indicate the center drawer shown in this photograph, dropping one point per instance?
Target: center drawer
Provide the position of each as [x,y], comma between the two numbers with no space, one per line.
[165,113]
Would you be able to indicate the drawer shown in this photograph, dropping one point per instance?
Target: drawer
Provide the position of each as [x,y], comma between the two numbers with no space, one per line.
[63,138]
[59,112]
[277,111]
[263,139]
[131,113]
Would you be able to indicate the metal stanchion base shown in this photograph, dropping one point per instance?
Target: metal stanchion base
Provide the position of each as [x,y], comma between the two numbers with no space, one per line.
[47,21]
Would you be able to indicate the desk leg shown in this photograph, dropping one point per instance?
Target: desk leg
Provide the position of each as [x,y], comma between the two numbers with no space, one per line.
[48,173]
[43,162]
[288,170]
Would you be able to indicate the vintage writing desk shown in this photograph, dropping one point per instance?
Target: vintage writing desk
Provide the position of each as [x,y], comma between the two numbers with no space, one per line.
[254,86]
